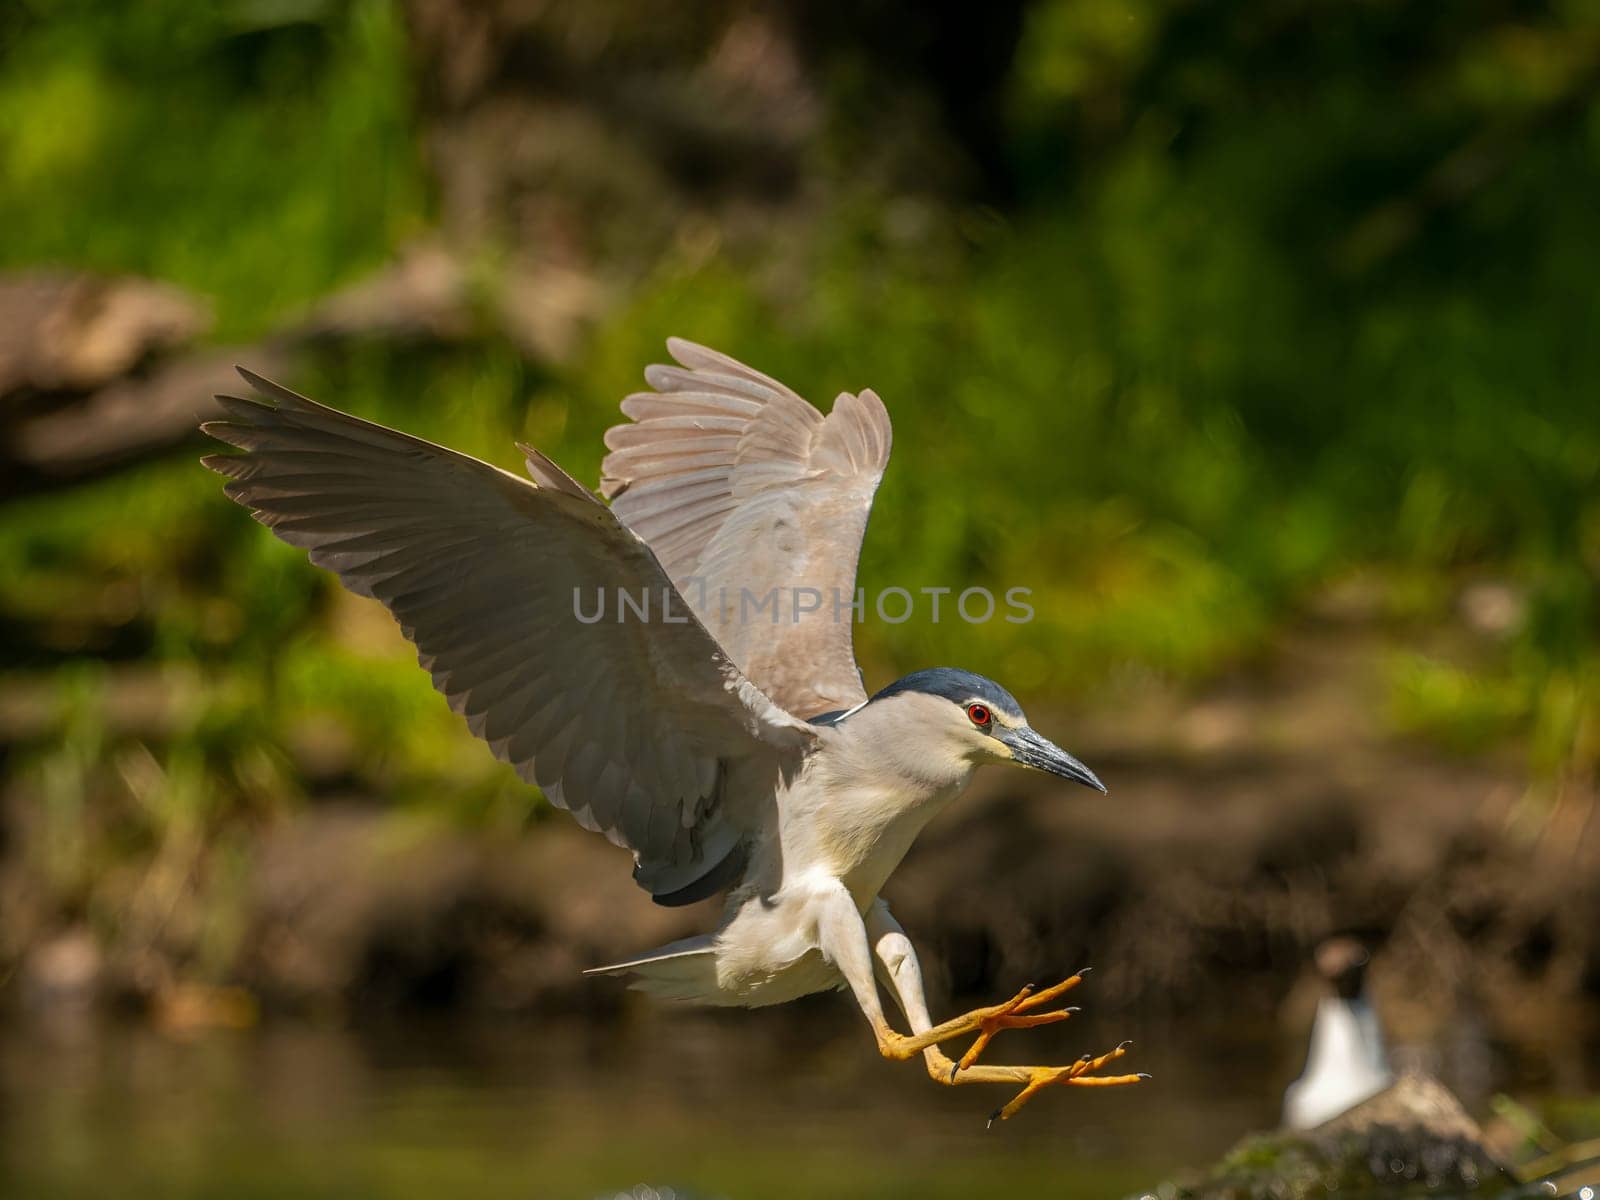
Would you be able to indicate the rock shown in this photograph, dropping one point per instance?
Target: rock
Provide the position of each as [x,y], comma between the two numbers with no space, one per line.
[1415,1101]
[63,972]
[185,1009]
[1412,1139]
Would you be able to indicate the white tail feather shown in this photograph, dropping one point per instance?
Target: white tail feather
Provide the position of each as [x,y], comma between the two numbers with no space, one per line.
[684,970]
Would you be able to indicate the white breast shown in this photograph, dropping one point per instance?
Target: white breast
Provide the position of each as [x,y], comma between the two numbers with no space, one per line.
[856,825]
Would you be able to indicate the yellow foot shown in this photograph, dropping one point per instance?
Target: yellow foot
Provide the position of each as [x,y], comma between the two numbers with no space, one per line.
[1079,1074]
[985,1022]
[1017,1013]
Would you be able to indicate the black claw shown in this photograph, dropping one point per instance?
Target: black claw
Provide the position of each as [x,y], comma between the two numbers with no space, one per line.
[993,1117]
[1124,1045]
[1072,1008]
[1083,971]
[1087,1058]
[1146,1075]
[954,1068]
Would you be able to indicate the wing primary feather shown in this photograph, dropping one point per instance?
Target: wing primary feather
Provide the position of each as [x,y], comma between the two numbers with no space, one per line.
[547,473]
[477,565]
[780,498]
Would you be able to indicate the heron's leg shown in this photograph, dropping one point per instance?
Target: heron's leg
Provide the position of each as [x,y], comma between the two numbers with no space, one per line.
[842,938]
[902,974]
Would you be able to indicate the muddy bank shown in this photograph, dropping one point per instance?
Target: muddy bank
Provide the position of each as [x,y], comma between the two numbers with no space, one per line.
[1244,824]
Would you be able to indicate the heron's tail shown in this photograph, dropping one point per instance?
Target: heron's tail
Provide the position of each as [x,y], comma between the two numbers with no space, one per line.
[684,970]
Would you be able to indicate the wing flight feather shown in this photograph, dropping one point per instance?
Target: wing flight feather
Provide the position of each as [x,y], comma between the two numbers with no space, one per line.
[755,504]
[645,730]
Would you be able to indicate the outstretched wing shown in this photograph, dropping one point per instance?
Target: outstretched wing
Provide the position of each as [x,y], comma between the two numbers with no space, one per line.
[643,729]
[756,504]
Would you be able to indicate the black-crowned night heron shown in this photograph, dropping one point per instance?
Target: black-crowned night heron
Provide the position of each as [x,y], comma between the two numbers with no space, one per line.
[729,745]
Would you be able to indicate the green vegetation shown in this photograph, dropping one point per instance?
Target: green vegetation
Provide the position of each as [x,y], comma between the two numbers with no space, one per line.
[257,153]
[1249,338]
[1382,1164]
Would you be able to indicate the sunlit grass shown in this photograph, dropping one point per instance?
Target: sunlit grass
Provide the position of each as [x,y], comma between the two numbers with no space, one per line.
[258,160]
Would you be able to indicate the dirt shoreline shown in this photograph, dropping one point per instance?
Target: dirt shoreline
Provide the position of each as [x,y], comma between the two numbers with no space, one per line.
[1244,824]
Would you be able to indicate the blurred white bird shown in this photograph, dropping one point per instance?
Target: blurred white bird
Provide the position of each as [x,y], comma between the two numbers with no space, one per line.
[1347,1061]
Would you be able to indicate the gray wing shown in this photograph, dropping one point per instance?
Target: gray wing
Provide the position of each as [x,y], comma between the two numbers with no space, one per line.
[644,731]
[744,489]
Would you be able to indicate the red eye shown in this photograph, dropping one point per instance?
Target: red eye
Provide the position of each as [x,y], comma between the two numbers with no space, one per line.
[978,714]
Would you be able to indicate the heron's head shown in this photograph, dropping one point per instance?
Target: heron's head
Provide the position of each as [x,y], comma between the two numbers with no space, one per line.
[951,712]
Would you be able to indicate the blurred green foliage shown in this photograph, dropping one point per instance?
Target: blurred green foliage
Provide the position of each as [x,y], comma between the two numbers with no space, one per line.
[1288,291]
[257,152]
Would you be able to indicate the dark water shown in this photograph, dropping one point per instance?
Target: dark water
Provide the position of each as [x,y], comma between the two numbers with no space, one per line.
[749,1106]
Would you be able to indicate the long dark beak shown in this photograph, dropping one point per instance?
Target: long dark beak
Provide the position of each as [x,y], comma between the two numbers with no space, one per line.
[1031,750]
